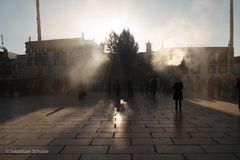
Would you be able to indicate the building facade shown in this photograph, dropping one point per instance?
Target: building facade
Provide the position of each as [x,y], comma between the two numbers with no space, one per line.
[47,64]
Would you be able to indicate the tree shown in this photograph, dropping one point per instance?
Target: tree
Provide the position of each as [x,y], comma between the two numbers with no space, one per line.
[123,51]
[123,44]
[127,44]
[112,43]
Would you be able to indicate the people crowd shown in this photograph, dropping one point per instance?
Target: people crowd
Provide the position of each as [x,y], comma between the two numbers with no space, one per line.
[213,87]
[220,87]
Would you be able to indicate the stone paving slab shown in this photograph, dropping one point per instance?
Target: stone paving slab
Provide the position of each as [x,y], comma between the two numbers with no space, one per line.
[209,134]
[193,141]
[132,149]
[3,135]
[14,157]
[52,130]
[42,126]
[19,136]
[237,154]
[228,140]
[151,141]
[95,135]
[15,130]
[158,157]
[7,141]
[112,142]
[179,149]
[175,129]
[171,134]
[54,157]
[210,157]
[224,129]
[59,136]
[84,149]
[147,130]
[221,148]
[131,135]
[115,130]
[235,129]
[32,142]
[106,157]
[79,130]
[233,134]
[71,142]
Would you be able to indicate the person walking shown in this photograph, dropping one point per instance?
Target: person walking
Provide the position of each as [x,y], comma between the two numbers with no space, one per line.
[178,95]
[237,85]
[130,88]
[153,85]
[82,91]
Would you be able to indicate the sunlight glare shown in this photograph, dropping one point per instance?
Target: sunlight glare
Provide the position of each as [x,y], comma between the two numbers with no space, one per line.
[118,118]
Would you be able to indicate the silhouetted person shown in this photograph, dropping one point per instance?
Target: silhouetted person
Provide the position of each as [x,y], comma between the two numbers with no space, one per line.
[147,86]
[82,91]
[225,87]
[232,87]
[178,95]
[109,88]
[130,88]
[153,85]
[211,87]
[237,85]
[219,87]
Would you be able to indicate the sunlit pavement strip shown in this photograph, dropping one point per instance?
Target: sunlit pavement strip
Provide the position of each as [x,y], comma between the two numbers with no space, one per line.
[65,128]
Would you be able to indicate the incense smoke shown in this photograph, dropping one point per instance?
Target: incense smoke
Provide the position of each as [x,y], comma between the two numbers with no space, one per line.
[184,31]
[168,57]
[88,67]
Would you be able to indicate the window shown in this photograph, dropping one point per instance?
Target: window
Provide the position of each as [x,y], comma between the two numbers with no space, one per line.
[44,60]
[223,69]
[196,69]
[211,58]
[56,60]
[63,60]
[222,58]
[211,69]
[29,61]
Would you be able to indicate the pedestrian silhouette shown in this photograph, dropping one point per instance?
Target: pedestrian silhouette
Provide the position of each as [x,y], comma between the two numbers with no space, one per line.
[147,85]
[211,86]
[219,87]
[153,85]
[82,91]
[178,95]
[237,85]
[130,88]
[109,88]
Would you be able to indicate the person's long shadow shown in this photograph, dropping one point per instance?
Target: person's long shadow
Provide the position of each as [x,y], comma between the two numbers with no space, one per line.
[178,119]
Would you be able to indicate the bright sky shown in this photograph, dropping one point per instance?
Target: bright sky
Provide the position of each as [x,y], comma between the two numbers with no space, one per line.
[173,23]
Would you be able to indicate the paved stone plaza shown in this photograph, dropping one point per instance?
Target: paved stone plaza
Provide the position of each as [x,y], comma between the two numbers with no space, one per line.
[145,129]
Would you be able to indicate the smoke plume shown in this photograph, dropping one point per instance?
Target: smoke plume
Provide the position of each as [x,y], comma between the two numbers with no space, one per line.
[88,67]
[168,57]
